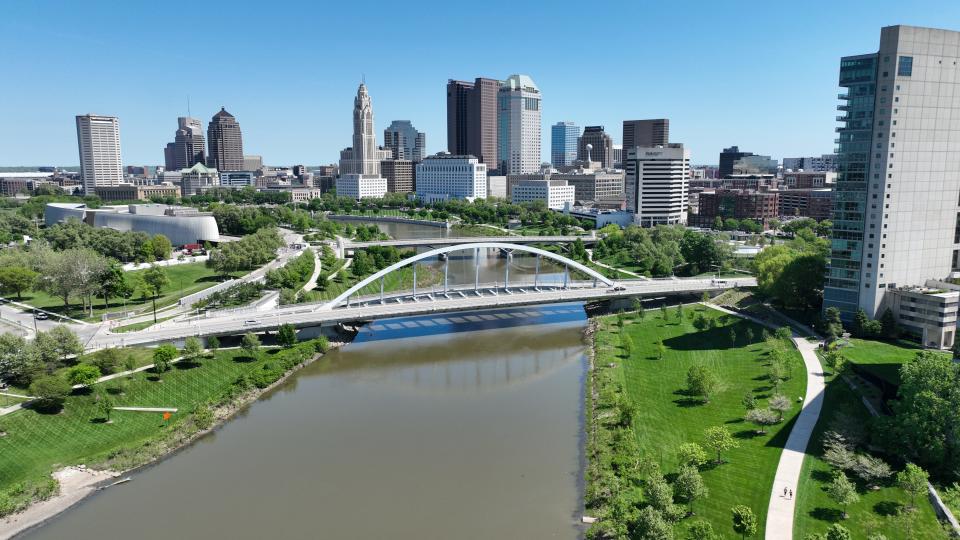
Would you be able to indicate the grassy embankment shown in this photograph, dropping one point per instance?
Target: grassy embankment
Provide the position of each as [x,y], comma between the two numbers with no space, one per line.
[185,279]
[37,442]
[667,418]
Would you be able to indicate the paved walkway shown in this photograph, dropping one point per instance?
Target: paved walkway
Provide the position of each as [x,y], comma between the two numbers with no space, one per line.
[598,263]
[780,512]
[317,268]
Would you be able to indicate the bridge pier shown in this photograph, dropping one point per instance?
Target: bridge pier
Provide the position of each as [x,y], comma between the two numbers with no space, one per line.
[566,276]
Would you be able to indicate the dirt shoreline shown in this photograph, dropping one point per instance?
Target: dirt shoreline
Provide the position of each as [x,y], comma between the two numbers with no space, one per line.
[79,482]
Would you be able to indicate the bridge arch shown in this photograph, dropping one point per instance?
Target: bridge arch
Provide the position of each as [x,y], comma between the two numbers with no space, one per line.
[463,247]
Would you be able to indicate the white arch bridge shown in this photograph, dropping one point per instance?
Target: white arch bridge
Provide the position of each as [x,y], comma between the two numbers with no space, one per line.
[445,299]
[536,285]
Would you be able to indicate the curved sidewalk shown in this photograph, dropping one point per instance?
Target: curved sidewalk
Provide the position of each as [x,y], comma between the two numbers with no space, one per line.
[781,509]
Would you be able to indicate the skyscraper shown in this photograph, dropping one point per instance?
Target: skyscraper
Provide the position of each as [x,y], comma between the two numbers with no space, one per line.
[563,143]
[404,141]
[360,164]
[897,206]
[519,126]
[657,180]
[601,146]
[225,141]
[187,148]
[646,133]
[472,119]
[98,139]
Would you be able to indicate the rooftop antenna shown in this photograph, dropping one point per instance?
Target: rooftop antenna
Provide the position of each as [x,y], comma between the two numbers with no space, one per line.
[188,106]
[363,78]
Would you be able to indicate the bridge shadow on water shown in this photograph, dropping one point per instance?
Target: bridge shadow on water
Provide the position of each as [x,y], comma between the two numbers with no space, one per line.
[471,321]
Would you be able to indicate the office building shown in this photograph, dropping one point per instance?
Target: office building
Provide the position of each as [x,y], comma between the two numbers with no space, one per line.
[445,176]
[225,142]
[563,143]
[130,192]
[617,156]
[595,145]
[472,119]
[754,164]
[238,179]
[722,204]
[252,163]
[187,148]
[399,175]
[897,214]
[824,163]
[198,179]
[727,158]
[557,194]
[303,195]
[364,156]
[646,133]
[592,185]
[519,125]
[808,179]
[98,140]
[361,186]
[811,203]
[656,184]
[404,141]
[496,186]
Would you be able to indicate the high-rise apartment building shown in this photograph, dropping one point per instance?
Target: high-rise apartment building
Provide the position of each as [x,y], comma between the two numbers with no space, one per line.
[645,133]
[187,148]
[820,164]
[657,181]
[399,175]
[472,119]
[896,216]
[600,146]
[519,125]
[563,143]
[225,142]
[404,141]
[98,139]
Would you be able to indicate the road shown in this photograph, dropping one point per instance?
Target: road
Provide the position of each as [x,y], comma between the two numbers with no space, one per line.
[305,315]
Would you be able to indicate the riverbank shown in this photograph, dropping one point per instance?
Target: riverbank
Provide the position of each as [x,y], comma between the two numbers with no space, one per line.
[131,456]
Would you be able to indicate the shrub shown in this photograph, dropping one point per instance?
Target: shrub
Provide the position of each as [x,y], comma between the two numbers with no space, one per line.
[203,416]
[50,391]
[83,374]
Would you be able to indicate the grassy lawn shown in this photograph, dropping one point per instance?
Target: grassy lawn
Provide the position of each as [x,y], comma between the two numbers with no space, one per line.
[400,280]
[878,510]
[185,279]
[667,418]
[881,358]
[37,442]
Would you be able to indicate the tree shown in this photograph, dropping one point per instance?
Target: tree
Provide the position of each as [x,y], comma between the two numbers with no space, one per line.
[689,486]
[83,374]
[835,360]
[162,248]
[761,418]
[213,343]
[113,282]
[705,298]
[155,279]
[701,382]
[250,344]
[287,335]
[748,335]
[913,480]
[842,491]
[626,343]
[871,470]
[663,311]
[51,391]
[57,345]
[104,405]
[860,322]
[839,532]
[650,525]
[679,312]
[192,349]
[744,522]
[784,332]
[638,307]
[107,360]
[833,327]
[162,357]
[700,322]
[780,404]
[661,349]
[888,325]
[701,530]
[16,279]
[19,360]
[837,452]
[720,440]
[691,454]
[749,401]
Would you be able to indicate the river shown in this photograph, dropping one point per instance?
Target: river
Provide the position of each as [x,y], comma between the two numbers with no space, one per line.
[467,425]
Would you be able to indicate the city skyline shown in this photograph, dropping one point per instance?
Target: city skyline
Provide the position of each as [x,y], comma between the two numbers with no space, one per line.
[685,81]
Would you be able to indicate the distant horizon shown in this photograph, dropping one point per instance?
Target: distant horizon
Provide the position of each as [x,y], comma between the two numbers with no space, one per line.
[771,90]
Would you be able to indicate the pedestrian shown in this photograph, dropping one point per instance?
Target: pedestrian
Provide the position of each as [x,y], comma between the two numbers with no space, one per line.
[784,491]
[791,493]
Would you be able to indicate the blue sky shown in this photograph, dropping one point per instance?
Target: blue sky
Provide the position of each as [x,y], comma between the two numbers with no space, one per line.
[758,74]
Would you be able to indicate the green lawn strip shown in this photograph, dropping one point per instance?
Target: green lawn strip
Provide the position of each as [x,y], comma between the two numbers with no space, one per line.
[140,325]
[185,279]
[400,280]
[36,443]
[877,509]
[881,358]
[666,418]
